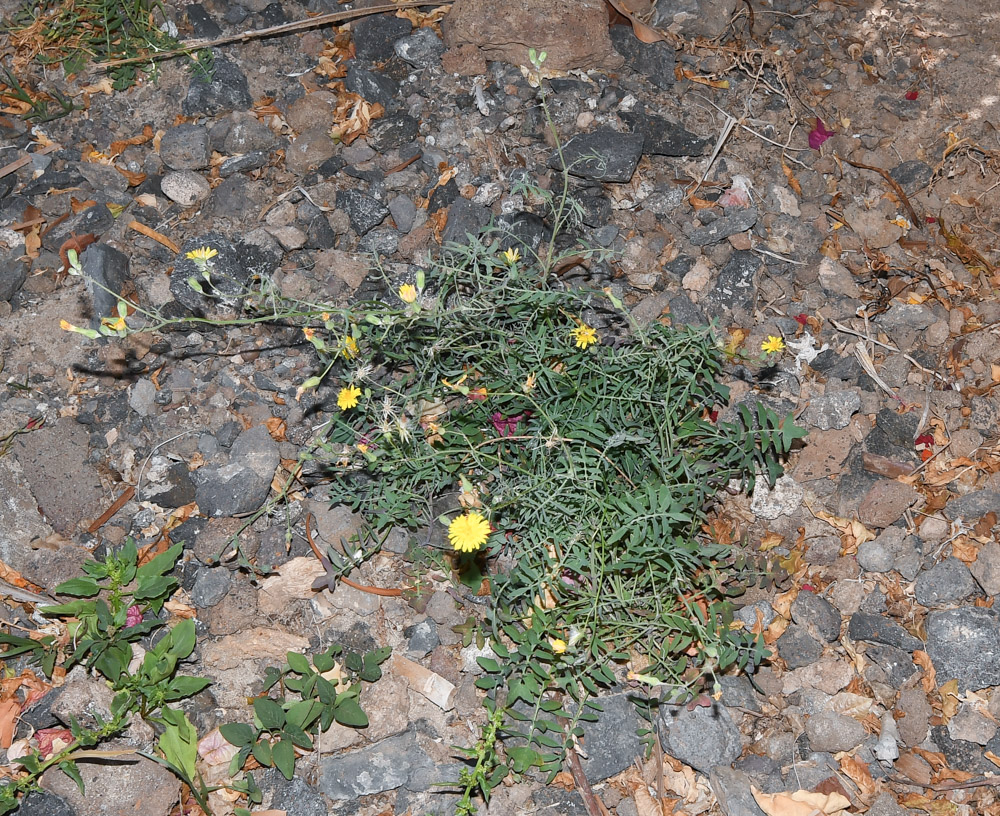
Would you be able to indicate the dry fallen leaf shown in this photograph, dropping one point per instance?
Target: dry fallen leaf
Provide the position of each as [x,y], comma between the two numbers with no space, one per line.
[949,700]
[859,775]
[801,803]
[929,680]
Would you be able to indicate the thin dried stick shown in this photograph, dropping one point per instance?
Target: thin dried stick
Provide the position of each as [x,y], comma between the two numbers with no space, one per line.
[298,25]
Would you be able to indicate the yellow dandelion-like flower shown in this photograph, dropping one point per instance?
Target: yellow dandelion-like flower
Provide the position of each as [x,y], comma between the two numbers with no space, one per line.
[408,293]
[529,383]
[558,645]
[350,348]
[114,323]
[772,345]
[348,397]
[309,332]
[511,256]
[468,532]
[202,255]
[584,335]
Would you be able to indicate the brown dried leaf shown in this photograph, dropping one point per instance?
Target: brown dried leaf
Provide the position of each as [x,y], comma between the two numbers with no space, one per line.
[643,32]
[276,427]
[801,803]
[792,181]
[914,767]
[859,775]
[949,700]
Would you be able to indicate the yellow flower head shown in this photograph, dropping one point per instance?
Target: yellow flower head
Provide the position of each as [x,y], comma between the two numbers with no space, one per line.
[511,256]
[772,345]
[309,332]
[114,323]
[584,336]
[202,255]
[558,645]
[348,397]
[408,293]
[350,348]
[468,532]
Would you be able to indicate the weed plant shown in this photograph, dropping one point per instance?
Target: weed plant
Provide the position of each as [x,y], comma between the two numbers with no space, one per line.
[570,455]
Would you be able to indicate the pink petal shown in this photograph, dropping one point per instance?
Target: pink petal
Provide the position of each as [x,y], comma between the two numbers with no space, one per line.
[819,134]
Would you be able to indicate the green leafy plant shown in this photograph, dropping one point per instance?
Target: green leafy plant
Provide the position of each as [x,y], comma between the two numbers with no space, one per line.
[311,697]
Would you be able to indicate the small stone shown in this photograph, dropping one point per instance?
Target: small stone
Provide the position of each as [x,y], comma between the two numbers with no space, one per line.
[704,738]
[104,269]
[39,803]
[886,805]
[653,60]
[732,788]
[828,674]
[311,149]
[946,582]
[371,86]
[13,273]
[293,795]
[913,726]
[798,648]
[888,665]
[986,568]
[816,614]
[880,554]
[912,175]
[736,286]
[185,187]
[886,502]
[832,411]
[423,638]
[464,219]
[384,766]
[612,743]
[971,507]
[781,500]
[241,164]
[664,199]
[663,137]
[117,786]
[738,220]
[972,726]
[185,147]
[141,397]
[246,135]
[210,586]
[364,212]
[392,131]
[312,110]
[749,613]
[833,732]
[289,237]
[907,316]
[243,485]
[403,212]
[375,36]
[422,49]
[226,90]
[878,629]
[603,155]
[964,644]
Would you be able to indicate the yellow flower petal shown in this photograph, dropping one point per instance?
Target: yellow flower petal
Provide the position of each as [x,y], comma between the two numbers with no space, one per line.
[408,293]
[348,397]
[468,532]
[772,345]
[584,335]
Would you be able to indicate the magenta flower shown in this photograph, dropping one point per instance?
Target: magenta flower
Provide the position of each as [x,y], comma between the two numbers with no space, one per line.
[133,617]
[507,426]
[819,134]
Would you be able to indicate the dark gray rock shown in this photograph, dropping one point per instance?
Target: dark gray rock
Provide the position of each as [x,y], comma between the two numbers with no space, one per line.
[554,799]
[732,788]
[886,805]
[596,210]
[375,36]
[653,60]
[403,212]
[392,131]
[364,212]
[612,743]
[373,87]
[242,485]
[294,795]
[102,177]
[52,179]
[973,506]
[912,175]
[232,269]
[202,24]
[733,222]
[832,411]
[246,135]
[104,266]
[604,155]
[380,242]
[96,220]
[798,648]
[186,147]
[964,644]
[523,231]
[878,629]
[273,14]
[13,273]
[890,665]
[661,137]
[38,803]
[816,614]
[685,313]
[986,568]
[240,164]
[210,586]
[422,638]
[464,218]
[946,582]
[962,754]
[737,282]
[664,199]
[906,316]
[319,234]
[879,555]
[227,90]
[704,737]
[421,49]
[738,693]
[384,766]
